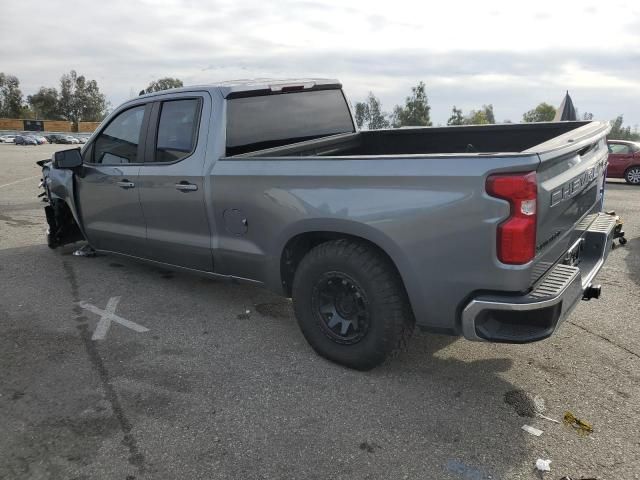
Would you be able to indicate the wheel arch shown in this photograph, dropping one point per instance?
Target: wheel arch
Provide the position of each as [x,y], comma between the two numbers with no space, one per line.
[297,244]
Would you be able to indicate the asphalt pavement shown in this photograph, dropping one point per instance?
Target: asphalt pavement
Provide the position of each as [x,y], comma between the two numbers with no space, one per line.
[113,369]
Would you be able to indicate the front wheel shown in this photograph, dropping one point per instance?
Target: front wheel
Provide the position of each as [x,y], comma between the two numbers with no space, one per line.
[632,175]
[350,304]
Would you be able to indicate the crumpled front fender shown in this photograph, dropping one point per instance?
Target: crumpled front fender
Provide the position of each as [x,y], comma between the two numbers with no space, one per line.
[59,190]
[59,185]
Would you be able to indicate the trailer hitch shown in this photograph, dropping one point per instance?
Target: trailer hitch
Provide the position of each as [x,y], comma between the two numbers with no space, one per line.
[592,291]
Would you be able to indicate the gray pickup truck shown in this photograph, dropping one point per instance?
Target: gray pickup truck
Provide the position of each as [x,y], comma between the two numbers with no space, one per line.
[490,232]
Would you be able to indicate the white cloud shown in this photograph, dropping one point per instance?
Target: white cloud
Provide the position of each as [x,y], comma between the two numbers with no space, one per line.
[511,54]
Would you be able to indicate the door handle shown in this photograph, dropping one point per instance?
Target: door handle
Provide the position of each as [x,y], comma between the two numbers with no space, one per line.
[186,187]
[126,184]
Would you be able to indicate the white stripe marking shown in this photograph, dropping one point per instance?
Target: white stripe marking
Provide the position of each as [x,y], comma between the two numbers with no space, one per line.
[18,181]
[107,316]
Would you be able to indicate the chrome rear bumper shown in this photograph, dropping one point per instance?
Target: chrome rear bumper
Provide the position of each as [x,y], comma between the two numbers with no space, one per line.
[536,315]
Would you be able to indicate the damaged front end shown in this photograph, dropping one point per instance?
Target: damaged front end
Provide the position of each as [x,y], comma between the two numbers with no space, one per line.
[62,219]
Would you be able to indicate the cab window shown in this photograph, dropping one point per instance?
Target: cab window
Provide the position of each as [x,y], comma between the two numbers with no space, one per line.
[176,130]
[266,121]
[118,143]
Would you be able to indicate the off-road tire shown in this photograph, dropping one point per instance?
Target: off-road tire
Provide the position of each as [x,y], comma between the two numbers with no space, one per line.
[390,318]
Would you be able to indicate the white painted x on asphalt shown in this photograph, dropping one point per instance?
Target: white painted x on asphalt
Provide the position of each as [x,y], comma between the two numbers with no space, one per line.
[107,316]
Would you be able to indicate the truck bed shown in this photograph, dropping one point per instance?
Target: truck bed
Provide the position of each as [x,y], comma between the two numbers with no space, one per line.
[502,138]
[406,177]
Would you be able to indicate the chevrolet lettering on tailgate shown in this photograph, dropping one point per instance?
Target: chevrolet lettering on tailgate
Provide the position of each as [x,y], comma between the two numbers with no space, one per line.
[575,185]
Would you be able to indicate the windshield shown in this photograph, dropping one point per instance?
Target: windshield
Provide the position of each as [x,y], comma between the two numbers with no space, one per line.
[255,123]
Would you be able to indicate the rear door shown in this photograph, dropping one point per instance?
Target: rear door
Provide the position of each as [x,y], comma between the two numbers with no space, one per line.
[171,182]
[107,184]
[620,157]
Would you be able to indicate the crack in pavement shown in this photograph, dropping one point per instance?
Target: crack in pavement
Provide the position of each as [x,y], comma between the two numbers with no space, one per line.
[136,458]
[606,339]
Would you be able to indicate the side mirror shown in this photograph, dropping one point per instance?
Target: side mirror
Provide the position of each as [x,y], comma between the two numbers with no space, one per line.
[67,158]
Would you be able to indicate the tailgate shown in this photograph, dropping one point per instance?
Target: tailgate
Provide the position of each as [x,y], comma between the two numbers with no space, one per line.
[571,180]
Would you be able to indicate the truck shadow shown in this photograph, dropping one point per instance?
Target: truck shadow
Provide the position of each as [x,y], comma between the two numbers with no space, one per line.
[435,411]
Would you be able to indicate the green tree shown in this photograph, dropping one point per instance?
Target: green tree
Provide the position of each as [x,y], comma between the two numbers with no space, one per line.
[377,118]
[163,84]
[369,114]
[361,112]
[415,112]
[477,117]
[80,99]
[483,116]
[10,96]
[488,112]
[542,113]
[27,113]
[618,132]
[456,118]
[44,103]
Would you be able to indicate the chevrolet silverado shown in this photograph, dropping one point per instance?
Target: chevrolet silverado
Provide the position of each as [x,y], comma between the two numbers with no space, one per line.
[490,232]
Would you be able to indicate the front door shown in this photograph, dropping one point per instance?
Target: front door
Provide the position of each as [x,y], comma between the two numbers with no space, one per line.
[107,185]
[171,182]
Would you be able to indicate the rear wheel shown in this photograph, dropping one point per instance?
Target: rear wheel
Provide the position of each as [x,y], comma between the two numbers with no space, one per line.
[350,304]
[632,175]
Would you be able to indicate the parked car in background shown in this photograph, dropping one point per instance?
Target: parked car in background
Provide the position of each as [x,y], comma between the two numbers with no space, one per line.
[82,139]
[624,160]
[7,139]
[55,137]
[69,140]
[25,140]
[40,139]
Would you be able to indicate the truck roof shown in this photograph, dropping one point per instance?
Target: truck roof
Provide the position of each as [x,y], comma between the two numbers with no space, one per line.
[241,86]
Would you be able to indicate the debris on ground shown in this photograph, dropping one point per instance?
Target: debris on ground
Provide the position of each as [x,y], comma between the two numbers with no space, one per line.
[532,430]
[540,407]
[580,425]
[548,418]
[85,251]
[543,465]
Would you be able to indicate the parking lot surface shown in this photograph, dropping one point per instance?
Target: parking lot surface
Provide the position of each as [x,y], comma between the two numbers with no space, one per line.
[218,382]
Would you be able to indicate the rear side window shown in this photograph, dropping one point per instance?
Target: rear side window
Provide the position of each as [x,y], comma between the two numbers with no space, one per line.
[618,148]
[176,130]
[255,123]
[118,143]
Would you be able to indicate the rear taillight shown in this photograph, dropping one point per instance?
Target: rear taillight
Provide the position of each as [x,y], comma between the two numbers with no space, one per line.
[516,236]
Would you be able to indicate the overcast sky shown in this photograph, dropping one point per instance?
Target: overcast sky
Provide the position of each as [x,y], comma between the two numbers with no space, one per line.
[511,54]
